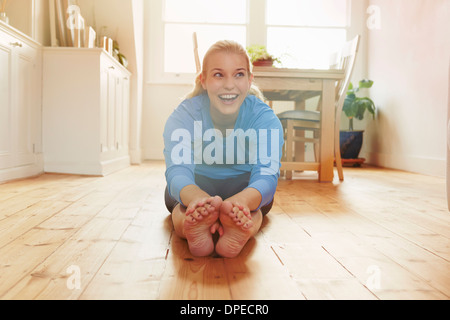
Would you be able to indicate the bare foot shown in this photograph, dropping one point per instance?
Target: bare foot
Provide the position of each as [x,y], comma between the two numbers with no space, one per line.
[201,221]
[238,227]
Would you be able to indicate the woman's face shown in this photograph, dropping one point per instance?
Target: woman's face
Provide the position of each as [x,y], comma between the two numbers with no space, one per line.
[227,81]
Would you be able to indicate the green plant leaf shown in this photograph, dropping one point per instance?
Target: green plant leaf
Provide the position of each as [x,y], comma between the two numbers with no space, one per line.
[351,89]
[366,83]
[259,52]
[355,107]
[360,106]
[347,107]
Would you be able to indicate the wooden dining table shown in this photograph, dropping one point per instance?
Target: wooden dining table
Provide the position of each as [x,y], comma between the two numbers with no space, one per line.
[298,85]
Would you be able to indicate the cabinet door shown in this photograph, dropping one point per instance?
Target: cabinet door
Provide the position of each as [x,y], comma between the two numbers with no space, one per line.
[115,95]
[5,103]
[112,84]
[19,104]
[108,110]
[111,110]
[25,106]
[125,112]
[104,86]
[122,117]
[122,102]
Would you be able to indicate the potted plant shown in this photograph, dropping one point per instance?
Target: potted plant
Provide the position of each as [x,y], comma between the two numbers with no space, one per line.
[119,56]
[354,108]
[260,57]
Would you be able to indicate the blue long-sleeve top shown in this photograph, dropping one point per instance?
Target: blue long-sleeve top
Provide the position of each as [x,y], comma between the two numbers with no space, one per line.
[192,146]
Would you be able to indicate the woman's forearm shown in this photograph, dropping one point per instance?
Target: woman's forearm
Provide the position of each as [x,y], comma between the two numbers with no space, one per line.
[191,193]
[249,197]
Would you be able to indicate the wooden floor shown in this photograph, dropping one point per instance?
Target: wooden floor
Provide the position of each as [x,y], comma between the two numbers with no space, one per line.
[380,234]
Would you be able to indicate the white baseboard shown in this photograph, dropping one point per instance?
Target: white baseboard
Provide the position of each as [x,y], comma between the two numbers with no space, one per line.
[25,171]
[111,166]
[428,166]
[88,168]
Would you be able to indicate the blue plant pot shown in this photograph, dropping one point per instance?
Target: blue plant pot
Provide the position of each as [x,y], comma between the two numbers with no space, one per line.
[350,144]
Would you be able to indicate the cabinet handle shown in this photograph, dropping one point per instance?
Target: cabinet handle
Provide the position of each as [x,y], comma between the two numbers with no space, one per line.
[16,44]
[112,67]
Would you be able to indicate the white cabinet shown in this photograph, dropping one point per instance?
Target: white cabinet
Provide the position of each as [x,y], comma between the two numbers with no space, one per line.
[20,105]
[86,97]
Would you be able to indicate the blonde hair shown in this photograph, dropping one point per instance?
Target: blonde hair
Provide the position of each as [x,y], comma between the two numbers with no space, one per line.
[227,46]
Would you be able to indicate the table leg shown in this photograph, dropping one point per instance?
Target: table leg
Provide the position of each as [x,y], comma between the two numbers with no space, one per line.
[327,132]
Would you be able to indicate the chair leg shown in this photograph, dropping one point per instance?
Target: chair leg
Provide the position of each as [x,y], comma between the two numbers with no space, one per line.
[337,156]
[316,146]
[289,147]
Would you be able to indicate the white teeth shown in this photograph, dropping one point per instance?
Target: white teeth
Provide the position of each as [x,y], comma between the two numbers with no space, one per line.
[228,96]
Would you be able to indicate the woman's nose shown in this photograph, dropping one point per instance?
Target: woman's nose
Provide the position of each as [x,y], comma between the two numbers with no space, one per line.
[229,83]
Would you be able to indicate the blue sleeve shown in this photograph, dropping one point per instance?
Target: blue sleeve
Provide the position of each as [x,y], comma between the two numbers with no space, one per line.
[264,175]
[178,152]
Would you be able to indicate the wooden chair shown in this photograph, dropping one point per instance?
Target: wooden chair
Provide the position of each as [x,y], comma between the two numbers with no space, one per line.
[196,57]
[295,121]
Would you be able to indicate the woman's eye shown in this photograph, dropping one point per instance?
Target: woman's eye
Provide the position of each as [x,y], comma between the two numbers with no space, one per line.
[218,75]
[240,74]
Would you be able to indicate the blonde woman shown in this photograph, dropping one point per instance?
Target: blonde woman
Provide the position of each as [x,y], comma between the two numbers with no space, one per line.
[222,152]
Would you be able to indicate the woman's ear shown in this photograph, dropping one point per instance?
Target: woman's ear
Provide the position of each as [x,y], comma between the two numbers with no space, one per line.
[202,80]
[250,80]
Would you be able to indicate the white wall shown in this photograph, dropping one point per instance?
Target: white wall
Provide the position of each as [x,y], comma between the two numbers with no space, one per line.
[159,102]
[123,21]
[31,17]
[408,59]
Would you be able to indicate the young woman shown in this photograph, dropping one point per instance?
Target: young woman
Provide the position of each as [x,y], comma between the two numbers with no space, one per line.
[222,151]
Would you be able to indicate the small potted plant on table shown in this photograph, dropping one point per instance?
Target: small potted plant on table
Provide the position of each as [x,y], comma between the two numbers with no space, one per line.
[260,57]
[354,108]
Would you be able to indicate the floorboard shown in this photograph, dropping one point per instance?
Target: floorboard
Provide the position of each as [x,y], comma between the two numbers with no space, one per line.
[380,234]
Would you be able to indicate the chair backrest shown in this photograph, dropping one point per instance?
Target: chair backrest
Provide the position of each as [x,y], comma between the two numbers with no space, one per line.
[335,60]
[197,59]
[346,63]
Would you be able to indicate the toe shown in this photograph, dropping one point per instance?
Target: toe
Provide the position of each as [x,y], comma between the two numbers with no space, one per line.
[215,227]
[191,219]
[197,215]
[203,211]
[248,224]
[216,202]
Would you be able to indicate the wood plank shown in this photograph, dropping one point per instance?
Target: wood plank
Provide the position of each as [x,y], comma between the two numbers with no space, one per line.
[334,289]
[136,264]
[16,225]
[320,241]
[192,278]
[367,233]
[19,259]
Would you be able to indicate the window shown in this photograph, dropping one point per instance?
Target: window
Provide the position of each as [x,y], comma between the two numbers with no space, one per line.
[302,32]
[210,19]
[305,35]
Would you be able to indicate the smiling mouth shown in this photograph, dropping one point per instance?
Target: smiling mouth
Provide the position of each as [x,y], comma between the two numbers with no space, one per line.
[228,97]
